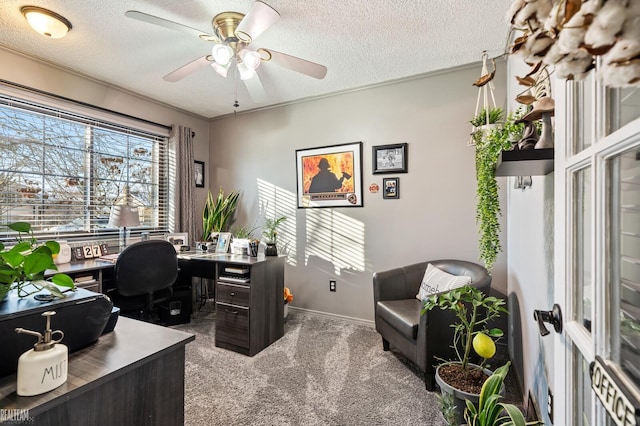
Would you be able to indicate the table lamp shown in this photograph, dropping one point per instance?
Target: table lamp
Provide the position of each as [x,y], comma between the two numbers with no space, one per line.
[123,216]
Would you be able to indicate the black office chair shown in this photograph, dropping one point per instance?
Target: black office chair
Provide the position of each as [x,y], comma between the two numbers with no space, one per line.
[143,275]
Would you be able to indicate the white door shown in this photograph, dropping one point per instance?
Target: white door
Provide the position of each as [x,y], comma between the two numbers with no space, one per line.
[597,263]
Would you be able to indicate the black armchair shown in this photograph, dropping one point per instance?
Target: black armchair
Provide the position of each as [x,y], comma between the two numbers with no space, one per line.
[143,275]
[423,339]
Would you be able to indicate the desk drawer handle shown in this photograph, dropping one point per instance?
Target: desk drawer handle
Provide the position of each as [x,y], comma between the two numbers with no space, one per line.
[231,312]
[232,294]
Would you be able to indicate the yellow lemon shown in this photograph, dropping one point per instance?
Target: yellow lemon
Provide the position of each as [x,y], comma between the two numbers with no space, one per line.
[484,345]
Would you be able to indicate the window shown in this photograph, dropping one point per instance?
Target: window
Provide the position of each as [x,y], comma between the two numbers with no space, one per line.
[62,171]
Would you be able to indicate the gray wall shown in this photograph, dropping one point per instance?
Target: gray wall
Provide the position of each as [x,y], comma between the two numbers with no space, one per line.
[434,217]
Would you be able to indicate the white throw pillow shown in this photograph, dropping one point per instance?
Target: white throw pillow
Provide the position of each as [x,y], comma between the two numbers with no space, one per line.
[436,281]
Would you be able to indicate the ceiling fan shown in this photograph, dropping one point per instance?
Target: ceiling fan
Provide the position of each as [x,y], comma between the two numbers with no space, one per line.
[232,35]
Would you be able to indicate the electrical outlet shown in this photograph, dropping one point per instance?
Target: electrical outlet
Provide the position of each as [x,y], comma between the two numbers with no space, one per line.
[332,285]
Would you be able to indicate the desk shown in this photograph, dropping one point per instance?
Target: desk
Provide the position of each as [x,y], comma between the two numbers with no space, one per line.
[131,376]
[249,306]
[249,314]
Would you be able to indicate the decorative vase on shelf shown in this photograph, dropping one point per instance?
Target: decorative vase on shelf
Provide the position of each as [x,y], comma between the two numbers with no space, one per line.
[271,249]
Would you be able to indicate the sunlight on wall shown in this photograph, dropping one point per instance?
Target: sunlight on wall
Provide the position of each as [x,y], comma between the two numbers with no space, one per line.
[274,203]
[336,238]
[330,236]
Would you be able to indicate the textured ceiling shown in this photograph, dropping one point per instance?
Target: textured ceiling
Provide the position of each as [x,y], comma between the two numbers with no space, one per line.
[362,43]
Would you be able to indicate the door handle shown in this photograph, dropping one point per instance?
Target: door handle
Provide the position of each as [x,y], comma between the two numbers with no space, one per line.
[553,317]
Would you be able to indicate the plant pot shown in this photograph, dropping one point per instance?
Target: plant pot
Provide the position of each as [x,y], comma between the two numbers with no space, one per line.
[459,396]
[271,250]
[286,310]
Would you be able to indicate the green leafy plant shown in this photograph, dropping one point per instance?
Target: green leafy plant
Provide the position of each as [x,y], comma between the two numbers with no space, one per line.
[26,262]
[244,232]
[474,310]
[488,210]
[218,213]
[495,115]
[491,412]
[270,230]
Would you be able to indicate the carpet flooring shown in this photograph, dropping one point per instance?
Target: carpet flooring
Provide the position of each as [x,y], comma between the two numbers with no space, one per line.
[323,371]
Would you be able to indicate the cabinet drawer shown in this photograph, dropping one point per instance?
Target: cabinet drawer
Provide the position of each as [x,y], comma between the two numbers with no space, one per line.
[232,325]
[233,294]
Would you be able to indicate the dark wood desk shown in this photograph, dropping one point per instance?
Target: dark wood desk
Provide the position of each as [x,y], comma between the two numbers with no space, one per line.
[131,376]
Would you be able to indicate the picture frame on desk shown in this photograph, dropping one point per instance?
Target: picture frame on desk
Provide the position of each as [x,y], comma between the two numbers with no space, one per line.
[178,240]
[224,239]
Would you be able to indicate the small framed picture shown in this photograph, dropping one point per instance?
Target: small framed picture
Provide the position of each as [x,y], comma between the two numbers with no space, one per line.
[391,188]
[224,238]
[178,240]
[390,158]
[199,173]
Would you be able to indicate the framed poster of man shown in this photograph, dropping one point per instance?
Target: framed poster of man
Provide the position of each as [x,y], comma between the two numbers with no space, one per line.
[330,176]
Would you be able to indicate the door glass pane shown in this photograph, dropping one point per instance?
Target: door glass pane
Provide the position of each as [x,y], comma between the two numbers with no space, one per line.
[582,104]
[582,246]
[582,381]
[624,175]
[624,106]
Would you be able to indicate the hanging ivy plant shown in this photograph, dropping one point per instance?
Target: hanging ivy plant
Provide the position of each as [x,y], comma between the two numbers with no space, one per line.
[488,210]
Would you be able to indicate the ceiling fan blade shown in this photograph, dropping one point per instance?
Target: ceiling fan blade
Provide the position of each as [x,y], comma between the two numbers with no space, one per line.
[150,19]
[187,69]
[256,89]
[294,63]
[260,17]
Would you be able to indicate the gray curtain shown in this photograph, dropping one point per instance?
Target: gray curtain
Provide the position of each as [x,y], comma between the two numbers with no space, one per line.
[181,168]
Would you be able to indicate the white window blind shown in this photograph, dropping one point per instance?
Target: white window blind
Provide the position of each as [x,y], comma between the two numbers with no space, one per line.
[62,171]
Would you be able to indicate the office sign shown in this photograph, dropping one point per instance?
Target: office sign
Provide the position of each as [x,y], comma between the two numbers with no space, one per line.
[622,407]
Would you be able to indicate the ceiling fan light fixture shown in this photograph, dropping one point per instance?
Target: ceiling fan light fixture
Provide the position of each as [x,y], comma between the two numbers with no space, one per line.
[251,58]
[222,53]
[46,22]
[246,72]
[221,69]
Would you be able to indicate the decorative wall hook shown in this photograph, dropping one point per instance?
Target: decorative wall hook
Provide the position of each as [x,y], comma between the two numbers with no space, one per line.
[522,182]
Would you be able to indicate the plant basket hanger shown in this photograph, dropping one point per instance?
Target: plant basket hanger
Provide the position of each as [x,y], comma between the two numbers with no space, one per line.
[485,91]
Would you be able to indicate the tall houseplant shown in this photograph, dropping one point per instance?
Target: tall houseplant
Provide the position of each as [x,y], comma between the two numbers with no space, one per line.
[22,266]
[218,213]
[488,210]
[474,311]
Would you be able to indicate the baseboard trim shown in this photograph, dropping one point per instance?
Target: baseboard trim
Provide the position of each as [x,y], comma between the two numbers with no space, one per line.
[360,321]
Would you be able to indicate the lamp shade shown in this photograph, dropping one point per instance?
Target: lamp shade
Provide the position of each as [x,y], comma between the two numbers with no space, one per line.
[46,22]
[123,216]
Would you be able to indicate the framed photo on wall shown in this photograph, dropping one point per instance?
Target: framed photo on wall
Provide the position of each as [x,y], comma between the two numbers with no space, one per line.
[391,188]
[199,173]
[390,158]
[330,176]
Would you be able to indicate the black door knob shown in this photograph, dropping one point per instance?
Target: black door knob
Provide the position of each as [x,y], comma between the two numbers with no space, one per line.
[553,317]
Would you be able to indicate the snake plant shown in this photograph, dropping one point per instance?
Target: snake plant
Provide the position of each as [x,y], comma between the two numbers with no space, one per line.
[218,213]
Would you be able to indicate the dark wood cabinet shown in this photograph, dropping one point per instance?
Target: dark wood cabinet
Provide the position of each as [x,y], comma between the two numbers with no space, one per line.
[249,303]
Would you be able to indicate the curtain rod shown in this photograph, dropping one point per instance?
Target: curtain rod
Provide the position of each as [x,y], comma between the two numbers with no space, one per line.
[80,103]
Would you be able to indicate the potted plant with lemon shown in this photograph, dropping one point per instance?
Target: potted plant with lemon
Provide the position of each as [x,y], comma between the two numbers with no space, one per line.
[474,311]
